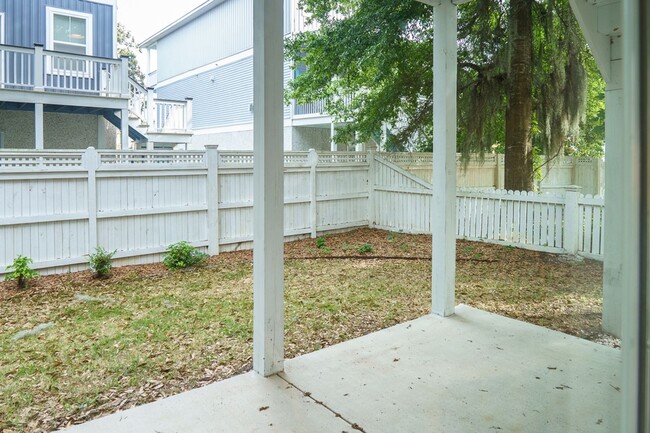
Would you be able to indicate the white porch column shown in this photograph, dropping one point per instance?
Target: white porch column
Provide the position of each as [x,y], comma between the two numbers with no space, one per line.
[333,146]
[124,127]
[443,224]
[635,218]
[38,127]
[268,129]
[614,206]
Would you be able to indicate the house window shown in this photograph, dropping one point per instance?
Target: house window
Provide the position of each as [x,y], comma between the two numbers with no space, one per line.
[69,32]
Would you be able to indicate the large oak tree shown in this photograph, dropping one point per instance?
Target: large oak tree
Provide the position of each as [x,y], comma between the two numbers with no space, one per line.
[521,78]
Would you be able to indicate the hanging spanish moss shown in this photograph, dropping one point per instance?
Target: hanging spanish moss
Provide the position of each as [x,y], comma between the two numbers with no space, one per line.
[379,53]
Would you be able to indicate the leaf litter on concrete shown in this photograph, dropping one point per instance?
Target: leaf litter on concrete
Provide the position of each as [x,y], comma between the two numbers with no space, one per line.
[150,333]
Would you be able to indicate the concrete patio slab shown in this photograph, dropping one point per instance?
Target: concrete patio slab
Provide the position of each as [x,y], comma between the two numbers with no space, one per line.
[245,403]
[473,372]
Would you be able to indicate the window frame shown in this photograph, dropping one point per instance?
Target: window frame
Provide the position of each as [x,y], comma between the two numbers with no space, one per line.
[49,40]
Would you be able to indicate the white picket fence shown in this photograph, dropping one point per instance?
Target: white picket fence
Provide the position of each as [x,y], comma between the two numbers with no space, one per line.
[57,206]
[559,223]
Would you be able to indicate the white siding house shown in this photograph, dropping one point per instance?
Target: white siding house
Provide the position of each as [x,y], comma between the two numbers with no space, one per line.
[208,55]
[63,85]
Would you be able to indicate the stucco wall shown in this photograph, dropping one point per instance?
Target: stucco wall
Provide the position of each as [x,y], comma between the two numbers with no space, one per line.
[238,140]
[61,131]
[305,138]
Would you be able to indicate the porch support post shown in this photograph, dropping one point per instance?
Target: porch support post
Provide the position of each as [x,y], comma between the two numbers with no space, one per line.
[613,262]
[333,146]
[268,130]
[443,210]
[635,239]
[124,127]
[38,127]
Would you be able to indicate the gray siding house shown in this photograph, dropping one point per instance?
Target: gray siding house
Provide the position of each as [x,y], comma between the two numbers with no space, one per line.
[62,85]
[208,55]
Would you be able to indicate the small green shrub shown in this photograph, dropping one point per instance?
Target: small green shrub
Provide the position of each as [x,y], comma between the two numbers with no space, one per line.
[320,243]
[183,255]
[22,272]
[100,262]
[365,248]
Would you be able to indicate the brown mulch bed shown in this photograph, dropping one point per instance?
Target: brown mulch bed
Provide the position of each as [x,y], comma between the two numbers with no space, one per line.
[334,293]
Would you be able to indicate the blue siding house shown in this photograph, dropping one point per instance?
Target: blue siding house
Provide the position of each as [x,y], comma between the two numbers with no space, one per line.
[208,55]
[62,84]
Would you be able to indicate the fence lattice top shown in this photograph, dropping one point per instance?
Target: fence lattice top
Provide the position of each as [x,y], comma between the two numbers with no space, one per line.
[51,160]
[152,158]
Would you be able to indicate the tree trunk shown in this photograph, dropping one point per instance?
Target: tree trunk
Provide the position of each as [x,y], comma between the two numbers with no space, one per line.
[519,149]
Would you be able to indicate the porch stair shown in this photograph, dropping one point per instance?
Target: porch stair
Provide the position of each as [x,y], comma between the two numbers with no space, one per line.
[134,134]
[158,123]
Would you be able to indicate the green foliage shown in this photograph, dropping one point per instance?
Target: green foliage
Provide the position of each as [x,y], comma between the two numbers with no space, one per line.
[100,261]
[22,271]
[365,248]
[379,55]
[320,243]
[183,255]
[126,46]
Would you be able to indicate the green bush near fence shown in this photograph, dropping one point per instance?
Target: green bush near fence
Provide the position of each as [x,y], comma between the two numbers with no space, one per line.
[101,262]
[183,255]
[21,271]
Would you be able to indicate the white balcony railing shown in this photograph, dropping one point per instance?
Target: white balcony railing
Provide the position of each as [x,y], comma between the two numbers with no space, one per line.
[316,108]
[52,71]
[160,115]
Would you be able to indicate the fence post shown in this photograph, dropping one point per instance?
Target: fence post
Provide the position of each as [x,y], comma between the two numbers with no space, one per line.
[313,204]
[90,161]
[500,172]
[371,188]
[572,221]
[212,159]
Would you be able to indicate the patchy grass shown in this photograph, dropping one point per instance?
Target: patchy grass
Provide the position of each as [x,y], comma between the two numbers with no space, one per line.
[155,332]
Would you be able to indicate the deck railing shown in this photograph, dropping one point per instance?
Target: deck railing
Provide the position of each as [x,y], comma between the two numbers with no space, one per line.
[160,115]
[315,108]
[52,71]
[171,115]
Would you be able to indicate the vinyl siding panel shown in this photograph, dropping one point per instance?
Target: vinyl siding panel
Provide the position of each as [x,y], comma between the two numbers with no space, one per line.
[222,97]
[221,32]
[25,22]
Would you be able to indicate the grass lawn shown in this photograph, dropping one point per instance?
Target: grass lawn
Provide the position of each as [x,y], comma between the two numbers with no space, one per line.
[148,333]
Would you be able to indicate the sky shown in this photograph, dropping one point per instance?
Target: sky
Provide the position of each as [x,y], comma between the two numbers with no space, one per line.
[146,17]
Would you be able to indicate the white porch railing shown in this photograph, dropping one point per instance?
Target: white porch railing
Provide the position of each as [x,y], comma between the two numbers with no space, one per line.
[160,115]
[315,108]
[52,71]
[170,115]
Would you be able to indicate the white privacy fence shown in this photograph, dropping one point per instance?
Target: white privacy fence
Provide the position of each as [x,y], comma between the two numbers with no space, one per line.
[58,206]
[488,172]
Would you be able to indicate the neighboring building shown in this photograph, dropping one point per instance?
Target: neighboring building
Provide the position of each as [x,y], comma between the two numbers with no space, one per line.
[208,55]
[63,86]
